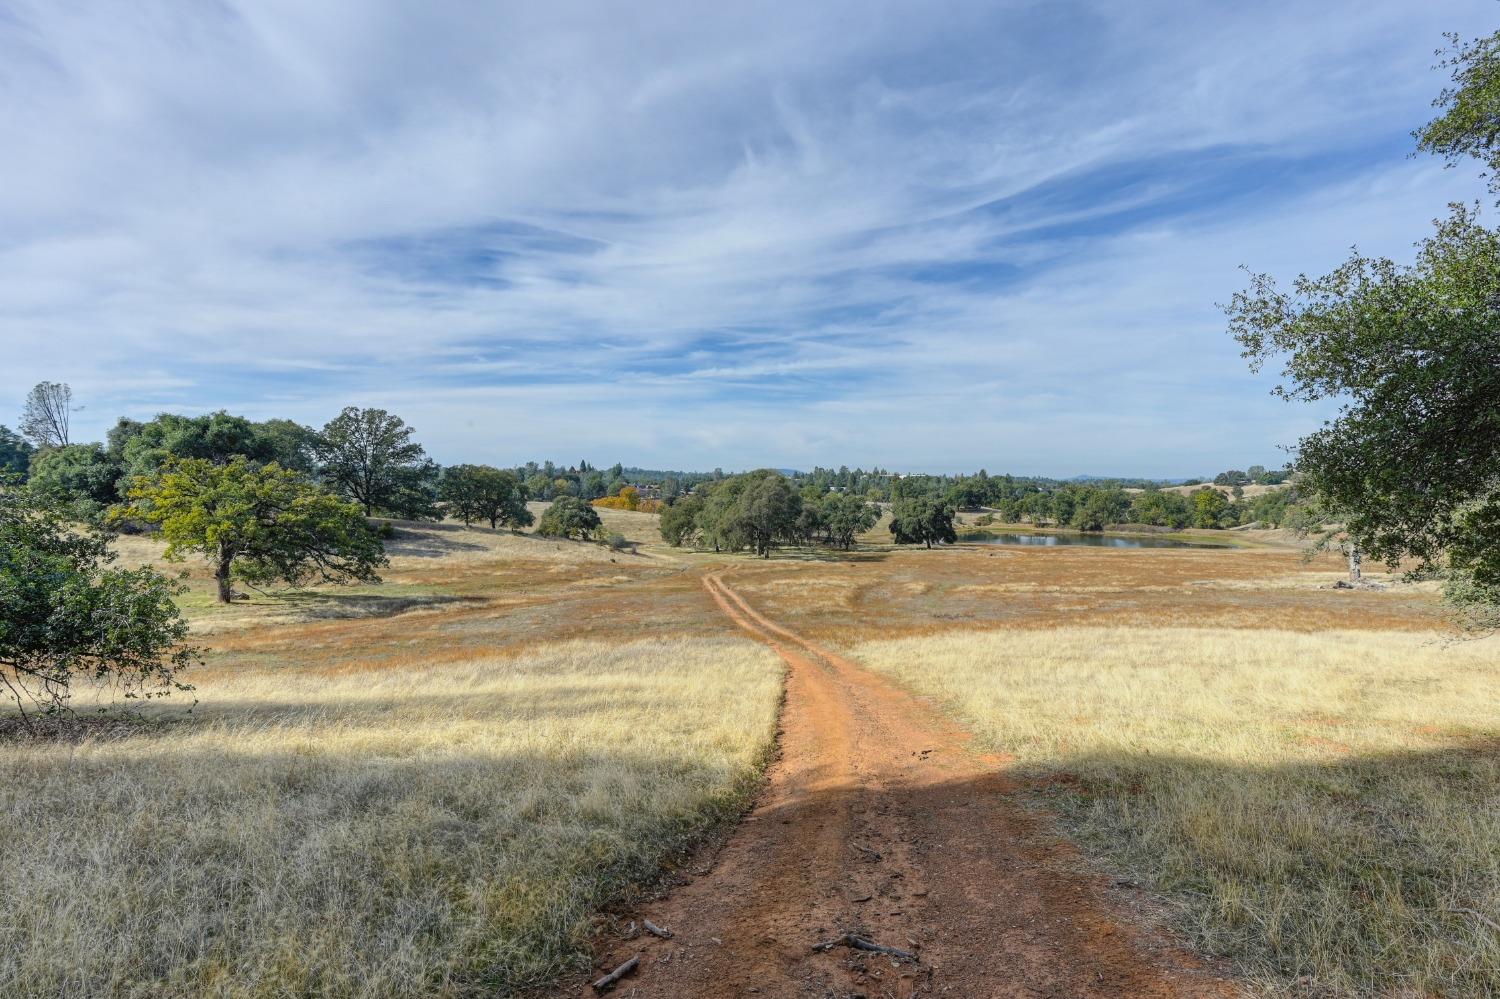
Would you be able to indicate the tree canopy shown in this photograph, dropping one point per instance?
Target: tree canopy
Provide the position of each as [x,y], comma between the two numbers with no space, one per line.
[756,510]
[845,516]
[369,456]
[569,516]
[922,520]
[479,492]
[1470,123]
[78,476]
[65,614]
[260,523]
[141,448]
[1208,506]
[766,513]
[679,522]
[1412,461]
[15,453]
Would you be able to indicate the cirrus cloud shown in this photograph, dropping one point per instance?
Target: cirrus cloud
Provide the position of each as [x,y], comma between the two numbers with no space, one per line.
[921,236]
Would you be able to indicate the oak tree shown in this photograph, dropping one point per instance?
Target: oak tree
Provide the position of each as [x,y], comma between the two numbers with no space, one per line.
[369,456]
[922,520]
[260,523]
[569,516]
[1412,461]
[479,492]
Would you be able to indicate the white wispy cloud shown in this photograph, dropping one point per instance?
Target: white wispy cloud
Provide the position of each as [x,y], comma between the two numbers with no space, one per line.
[925,237]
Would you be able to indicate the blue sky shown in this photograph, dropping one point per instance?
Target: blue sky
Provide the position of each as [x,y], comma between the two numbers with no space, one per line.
[926,236]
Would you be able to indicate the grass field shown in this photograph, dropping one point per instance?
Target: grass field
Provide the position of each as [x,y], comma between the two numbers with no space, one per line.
[1324,807]
[431,786]
[410,789]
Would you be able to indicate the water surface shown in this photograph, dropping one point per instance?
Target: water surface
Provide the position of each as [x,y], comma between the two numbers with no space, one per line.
[1087,540]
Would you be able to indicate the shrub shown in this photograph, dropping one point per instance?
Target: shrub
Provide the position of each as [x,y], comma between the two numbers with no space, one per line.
[568,516]
[64,614]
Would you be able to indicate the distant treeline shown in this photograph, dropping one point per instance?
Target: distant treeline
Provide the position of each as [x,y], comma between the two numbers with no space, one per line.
[1085,506]
[1093,508]
[371,457]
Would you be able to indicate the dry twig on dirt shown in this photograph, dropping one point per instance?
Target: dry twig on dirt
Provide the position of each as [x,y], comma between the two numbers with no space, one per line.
[656,931]
[607,982]
[856,942]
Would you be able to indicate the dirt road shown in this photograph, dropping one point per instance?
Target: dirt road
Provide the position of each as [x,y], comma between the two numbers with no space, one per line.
[878,819]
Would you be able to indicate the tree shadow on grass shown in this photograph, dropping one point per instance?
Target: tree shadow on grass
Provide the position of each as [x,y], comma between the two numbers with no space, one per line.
[1391,902]
[431,541]
[833,556]
[321,606]
[1366,873]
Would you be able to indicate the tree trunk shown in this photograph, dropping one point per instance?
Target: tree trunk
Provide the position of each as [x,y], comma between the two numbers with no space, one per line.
[221,576]
[1354,571]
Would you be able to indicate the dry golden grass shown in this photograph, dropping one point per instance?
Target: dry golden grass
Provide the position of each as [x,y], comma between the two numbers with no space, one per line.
[917,592]
[432,565]
[422,787]
[1324,807]
[443,830]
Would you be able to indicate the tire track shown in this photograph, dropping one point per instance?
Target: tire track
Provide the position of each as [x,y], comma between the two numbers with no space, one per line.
[877,819]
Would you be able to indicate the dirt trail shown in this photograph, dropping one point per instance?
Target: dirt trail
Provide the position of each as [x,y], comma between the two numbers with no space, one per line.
[877,819]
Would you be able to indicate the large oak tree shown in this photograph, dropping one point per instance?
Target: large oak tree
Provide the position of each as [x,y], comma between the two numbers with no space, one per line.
[369,456]
[260,523]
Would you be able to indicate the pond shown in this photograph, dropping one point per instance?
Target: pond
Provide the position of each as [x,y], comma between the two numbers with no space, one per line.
[1087,540]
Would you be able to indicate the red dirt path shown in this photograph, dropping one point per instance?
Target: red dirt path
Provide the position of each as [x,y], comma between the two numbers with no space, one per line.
[877,818]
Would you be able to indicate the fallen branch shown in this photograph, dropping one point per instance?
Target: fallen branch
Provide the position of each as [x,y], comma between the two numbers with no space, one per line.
[856,942]
[607,982]
[656,931]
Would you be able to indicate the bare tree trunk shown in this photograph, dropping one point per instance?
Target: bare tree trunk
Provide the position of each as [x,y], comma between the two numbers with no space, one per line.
[1354,559]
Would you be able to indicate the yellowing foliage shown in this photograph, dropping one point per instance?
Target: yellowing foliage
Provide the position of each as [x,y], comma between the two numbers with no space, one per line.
[629,499]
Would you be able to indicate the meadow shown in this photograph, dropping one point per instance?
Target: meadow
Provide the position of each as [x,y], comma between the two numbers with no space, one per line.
[1324,807]
[344,814]
[1304,776]
[443,784]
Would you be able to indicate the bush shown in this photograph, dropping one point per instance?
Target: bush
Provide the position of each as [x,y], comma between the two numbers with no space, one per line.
[66,615]
[568,516]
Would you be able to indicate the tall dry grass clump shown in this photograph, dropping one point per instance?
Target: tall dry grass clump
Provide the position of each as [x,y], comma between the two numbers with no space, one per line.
[1324,807]
[446,830]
